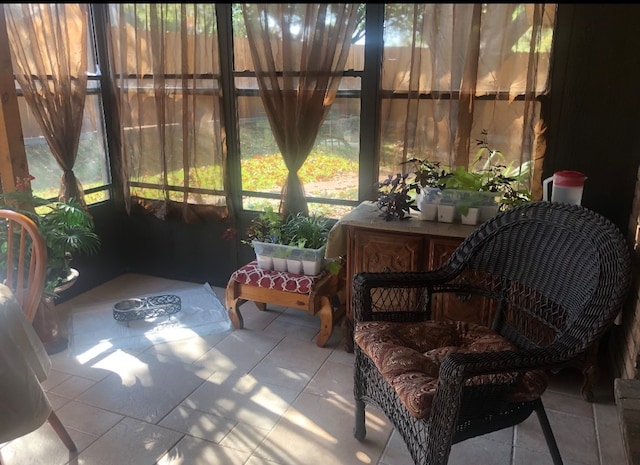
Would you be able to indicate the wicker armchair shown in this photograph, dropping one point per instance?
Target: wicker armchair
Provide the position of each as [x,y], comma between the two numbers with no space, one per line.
[556,274]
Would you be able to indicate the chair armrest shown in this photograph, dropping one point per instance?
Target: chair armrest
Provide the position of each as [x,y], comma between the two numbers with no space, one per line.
[458,366]
[399,296]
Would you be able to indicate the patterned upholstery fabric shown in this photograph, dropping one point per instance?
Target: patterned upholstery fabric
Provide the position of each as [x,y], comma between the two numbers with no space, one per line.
[252,275]
[409,355]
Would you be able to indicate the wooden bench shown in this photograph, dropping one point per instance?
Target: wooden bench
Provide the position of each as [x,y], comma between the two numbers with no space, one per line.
[321,295]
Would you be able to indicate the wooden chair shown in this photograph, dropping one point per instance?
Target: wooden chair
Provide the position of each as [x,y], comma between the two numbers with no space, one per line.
[557,275]
[25,273]
[26,260]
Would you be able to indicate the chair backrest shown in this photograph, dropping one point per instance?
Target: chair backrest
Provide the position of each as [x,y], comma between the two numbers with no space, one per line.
[556,270]
[24,260]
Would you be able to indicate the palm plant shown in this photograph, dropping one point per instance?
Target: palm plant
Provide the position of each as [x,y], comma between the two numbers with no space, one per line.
[67,228]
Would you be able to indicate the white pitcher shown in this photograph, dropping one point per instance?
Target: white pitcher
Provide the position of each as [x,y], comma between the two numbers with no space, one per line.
[567,187]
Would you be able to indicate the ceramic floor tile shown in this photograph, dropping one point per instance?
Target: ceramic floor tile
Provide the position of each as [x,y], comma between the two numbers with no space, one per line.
[265,395]
[342,356]
[333,379]
[480,451]
[44,447]
[54,378]
[187,350]
[242,398]
[199,424]
[574,434]
[240,351]
[522,456]
[88,419]
[316,427]
[267,372]
[254,319]
[562,402]
[131,442]
[72,387]
[609,434]
[295,353]
[244,437]
[195,451]
[291,328]
[143,387]
[396,452]
[66,364]
[260,461]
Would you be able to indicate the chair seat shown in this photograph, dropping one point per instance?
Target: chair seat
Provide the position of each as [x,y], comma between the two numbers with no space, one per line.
[409,355]
[252,275]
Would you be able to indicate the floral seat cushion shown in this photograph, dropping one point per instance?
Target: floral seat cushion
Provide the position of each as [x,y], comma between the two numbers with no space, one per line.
[253,275]
[409,355]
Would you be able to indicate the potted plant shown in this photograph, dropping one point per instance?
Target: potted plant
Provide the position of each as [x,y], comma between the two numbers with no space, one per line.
[264,230]
[308,234]
[285,244]
[67,228]
[428,183]
[394,197]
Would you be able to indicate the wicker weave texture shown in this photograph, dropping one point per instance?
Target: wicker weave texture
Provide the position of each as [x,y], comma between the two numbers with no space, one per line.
[557,276]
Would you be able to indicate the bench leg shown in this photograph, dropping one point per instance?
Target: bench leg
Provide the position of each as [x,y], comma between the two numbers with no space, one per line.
[233,309]
[326,321]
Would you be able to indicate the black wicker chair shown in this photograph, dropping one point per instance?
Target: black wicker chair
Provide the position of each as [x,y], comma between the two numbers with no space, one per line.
[556,274]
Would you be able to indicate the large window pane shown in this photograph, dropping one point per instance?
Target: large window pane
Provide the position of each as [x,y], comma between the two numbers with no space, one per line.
[92,165]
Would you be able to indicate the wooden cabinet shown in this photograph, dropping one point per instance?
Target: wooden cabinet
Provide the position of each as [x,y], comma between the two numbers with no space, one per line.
[371,244]
[473,309]
[376,250]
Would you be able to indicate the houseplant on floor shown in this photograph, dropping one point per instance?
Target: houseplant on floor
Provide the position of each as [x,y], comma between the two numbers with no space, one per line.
[68,230]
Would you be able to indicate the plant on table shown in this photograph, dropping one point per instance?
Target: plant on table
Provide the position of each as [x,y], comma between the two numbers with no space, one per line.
[394,197]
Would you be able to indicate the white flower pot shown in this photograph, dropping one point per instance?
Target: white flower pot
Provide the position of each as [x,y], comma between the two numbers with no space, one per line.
[311,267]
[279,264]
[428,211]
[446,213]
[265,262]
[294,266]
[471,217]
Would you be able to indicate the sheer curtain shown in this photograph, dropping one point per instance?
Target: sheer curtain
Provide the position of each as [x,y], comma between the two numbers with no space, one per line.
[299,52]
[49,55]
[465,68]
[164,67]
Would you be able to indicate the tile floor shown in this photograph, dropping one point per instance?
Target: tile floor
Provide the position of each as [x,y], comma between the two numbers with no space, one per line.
[264,395]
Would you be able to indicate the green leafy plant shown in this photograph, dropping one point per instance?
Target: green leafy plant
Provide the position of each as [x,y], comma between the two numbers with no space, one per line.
[67,228]
[427,173]
[394,197]
[266,227]
[306,231]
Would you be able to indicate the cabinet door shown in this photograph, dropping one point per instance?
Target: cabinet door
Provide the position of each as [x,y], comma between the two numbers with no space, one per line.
[374,251]
[474,309]
[386,251]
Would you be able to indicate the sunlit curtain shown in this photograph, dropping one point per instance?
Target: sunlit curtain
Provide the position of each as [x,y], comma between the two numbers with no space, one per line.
[462,69]
[299,52]
[49,54]
[165,70]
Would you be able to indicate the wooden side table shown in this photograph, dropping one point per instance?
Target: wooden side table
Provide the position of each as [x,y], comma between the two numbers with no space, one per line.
[317,295]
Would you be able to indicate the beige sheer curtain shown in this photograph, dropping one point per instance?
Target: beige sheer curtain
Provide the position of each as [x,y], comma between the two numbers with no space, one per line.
[299,52]
[164,67]
[469,68]
[49,55]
